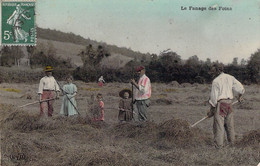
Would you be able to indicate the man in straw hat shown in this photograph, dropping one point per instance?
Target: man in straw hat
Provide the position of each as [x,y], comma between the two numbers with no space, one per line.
[142,93]
[48,89]
[221,104]
[125,106]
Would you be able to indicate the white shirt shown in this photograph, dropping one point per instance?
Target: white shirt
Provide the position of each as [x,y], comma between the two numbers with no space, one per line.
[101,79]
[48,83]
[222,88]
[145,90]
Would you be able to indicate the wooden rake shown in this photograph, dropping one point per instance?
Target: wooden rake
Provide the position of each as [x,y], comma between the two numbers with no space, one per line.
[206,117]
[36,102]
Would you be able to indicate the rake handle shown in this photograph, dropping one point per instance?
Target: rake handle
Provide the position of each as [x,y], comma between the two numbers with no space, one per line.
[208,117]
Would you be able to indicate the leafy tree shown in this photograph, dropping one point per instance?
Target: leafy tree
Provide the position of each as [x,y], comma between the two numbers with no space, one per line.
[208,61]
[243,62]
[253,67]
[235,61]
[43,55]
[92,56]
[11,55]
[193,61]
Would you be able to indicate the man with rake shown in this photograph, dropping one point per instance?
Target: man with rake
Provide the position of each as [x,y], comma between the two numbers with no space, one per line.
[221,104]
[142,94]
[48,89]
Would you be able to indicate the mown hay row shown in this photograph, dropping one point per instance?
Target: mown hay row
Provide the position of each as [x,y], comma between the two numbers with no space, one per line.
[30,140]
[252,139]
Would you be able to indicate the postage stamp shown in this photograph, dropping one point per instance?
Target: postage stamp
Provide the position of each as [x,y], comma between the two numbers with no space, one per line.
[18,23]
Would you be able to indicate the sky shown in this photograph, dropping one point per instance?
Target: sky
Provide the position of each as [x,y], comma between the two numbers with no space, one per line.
[152,26]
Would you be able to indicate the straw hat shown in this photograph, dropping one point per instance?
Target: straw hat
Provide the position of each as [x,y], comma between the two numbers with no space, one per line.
[48,68]
[122,92]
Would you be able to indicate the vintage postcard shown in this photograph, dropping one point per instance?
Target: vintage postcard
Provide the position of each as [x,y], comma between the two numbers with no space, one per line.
[130,82]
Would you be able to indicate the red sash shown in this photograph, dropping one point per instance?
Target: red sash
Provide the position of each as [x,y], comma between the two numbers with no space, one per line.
[225,109]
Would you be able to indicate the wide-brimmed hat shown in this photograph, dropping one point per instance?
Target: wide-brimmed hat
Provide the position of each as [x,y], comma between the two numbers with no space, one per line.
[139,68]
[48,68]
[122,92]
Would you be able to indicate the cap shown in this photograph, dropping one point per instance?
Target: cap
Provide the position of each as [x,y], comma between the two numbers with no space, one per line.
[139,68]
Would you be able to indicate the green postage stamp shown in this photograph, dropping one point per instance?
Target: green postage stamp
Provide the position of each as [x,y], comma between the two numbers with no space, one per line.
[18,22]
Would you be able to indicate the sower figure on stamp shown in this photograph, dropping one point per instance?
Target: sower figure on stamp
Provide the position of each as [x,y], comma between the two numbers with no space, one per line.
[48,89]
[125,106]
[16,22]
[142,94]
[221,104]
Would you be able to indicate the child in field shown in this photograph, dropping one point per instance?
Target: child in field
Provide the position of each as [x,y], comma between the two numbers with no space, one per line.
[69,104]
[101,81]
[98,110]
[125,106]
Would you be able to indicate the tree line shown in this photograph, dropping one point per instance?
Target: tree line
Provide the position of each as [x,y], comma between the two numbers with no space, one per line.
[166,67]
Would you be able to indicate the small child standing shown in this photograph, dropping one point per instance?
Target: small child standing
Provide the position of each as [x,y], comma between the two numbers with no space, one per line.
[98,112]
[69,104]
[125,106]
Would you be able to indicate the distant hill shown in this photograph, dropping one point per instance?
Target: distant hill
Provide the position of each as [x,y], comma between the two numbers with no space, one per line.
[65,50]
[69,50]
[59,36]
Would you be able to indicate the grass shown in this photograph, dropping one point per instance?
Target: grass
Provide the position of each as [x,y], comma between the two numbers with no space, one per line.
[170,90]
[90,89]
[11,90]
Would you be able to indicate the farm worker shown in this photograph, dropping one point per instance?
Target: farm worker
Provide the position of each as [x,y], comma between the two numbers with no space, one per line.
[125,106]
[101,81]
[98,110]
[221,104]
[142,93]
[48,89]
[69,102]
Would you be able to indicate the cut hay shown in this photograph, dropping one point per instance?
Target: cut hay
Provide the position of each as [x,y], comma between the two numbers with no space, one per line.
[31,140]
[247,105]
[140,132]
[27,96]
[163,101]
[174,84]
[179,133]
[186,85]
[24,122]
[205,90]
[250,139]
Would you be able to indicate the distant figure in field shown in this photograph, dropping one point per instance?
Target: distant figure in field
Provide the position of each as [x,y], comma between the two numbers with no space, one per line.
[48,89]
[125,106]
[101,81]
[142,94]
[69,104]
[98,110]
[221,104]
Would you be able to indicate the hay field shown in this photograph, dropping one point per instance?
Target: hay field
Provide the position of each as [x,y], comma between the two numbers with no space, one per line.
[165,140]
